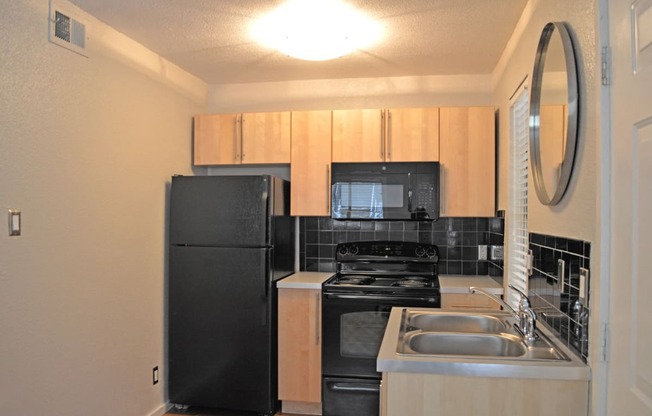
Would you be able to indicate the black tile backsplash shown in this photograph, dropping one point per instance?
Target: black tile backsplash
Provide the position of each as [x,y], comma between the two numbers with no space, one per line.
[560,309]
[457,239]
[495,237]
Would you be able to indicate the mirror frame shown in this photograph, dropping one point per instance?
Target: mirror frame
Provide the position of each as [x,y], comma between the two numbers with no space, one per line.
[572,114]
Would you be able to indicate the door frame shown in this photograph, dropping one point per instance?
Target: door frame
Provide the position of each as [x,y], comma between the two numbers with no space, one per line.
[599,326]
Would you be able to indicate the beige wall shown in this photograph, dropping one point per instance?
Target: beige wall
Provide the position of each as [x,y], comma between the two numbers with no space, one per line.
[352,93]
[575,216]
[87,147]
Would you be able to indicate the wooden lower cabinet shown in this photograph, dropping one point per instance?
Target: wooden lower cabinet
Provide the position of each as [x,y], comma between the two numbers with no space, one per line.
[299,350]
[467,301]
[434,394]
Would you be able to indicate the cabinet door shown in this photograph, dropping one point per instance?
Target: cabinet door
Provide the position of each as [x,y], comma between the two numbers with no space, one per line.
[412,135]
[311,162]
[468,162]
[358,136]
[467,301]
[266,138]
[299,345]
[217,139]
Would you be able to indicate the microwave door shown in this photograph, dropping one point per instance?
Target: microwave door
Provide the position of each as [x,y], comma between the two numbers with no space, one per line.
[375,197]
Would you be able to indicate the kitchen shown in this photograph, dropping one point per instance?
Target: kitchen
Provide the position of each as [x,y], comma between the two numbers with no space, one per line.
[89,144]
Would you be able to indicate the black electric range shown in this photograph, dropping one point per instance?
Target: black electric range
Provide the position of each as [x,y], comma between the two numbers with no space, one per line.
[372,277]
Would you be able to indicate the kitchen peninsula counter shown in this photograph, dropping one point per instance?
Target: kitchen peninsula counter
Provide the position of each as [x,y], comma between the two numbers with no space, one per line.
[450,283]
[304,280]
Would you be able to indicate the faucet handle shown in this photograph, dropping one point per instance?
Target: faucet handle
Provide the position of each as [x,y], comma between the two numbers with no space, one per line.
[525,301]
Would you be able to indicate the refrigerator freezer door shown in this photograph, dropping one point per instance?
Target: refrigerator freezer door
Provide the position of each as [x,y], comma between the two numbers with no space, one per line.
[221,211]
[221,329]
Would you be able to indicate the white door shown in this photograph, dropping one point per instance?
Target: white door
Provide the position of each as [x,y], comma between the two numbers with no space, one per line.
[630,340]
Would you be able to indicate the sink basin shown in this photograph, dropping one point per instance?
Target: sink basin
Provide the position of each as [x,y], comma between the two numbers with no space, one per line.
[481,345]
[488,335]
[456,322]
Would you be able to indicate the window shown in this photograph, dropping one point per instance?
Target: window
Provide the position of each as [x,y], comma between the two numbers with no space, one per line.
[517,255]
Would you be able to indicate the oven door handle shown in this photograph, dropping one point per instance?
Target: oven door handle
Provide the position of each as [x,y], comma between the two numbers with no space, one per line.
[382,298]
[354,387]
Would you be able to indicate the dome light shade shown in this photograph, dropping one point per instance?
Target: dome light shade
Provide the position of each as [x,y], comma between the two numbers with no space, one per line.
[315,30]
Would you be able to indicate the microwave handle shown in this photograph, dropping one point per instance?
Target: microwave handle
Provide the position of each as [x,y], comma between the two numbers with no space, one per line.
[409,192]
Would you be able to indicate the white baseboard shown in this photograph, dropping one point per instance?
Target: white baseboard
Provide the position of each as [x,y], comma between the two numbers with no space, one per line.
[160,411]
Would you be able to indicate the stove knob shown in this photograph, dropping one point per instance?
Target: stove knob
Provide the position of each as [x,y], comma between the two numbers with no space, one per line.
[344,250]
[420,251]
[431,252]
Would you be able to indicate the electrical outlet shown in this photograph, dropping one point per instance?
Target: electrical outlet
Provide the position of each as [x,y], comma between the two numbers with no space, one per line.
[155,375]
[482,252]
[496,252]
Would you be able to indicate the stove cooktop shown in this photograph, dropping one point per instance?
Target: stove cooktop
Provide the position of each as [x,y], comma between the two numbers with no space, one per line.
[385,267]
[383,281]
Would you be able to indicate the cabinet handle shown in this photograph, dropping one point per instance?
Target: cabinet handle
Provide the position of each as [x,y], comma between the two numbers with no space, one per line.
[328,188]
[242,155]
[236,138]
[317,317]
[389,136]
[382,135]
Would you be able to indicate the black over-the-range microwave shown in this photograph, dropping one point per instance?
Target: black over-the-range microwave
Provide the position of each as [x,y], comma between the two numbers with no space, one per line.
[385,191]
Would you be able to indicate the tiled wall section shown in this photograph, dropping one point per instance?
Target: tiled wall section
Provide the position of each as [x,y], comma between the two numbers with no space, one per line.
[457,239]
[560,309]
[496,237]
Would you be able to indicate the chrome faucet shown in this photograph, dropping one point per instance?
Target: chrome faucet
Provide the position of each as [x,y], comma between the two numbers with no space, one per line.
[526,317]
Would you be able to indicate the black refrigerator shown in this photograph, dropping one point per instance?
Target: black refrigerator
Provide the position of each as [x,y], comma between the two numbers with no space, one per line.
[231,239]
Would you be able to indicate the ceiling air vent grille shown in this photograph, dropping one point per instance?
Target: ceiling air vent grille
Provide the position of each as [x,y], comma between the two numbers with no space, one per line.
[67,31]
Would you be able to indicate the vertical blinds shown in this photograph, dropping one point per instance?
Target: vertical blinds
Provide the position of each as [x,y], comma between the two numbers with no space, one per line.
[517,266]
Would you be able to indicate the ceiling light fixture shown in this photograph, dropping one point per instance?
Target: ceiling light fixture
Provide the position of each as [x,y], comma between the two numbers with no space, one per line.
[315,30]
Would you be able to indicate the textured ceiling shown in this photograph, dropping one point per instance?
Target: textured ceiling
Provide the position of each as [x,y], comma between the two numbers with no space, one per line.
[210,39]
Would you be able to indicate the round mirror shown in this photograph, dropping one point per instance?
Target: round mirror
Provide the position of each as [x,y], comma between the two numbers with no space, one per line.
[554,105]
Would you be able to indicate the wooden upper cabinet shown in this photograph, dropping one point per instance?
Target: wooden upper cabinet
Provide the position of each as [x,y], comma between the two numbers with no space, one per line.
[266,137]
[468,162]
[217,139]
[412,135]
[394,135]
[250,138]
[310,165]
[359,135]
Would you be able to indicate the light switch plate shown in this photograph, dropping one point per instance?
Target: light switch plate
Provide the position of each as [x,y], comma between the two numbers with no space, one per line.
[584,277]
[14,222]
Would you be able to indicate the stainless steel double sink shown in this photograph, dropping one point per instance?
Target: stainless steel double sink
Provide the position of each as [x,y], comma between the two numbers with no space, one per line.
[486,335]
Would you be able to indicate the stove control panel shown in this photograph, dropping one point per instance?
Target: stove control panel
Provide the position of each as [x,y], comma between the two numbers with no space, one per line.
[387,250]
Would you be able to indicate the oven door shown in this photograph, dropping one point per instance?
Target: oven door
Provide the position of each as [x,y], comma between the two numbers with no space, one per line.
[353,327]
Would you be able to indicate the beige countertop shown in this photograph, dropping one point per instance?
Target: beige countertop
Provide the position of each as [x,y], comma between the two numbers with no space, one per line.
[450,283]
[304,280]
